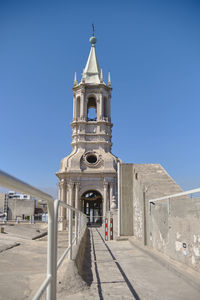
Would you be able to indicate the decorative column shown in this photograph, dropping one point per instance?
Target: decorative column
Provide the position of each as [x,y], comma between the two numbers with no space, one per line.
[74,108]
[82,105]
[101,107]
[105,192]
[59,197]
[98,108]
[108,107]
[111,194]
[77,202]
[67,210]
[70,186]
[62,188]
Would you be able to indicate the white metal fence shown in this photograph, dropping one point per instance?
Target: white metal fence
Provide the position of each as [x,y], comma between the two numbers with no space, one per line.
[174,196]
[49,284]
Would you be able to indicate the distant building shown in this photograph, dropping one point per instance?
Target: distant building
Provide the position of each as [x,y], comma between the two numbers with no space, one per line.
[12,194]
[2,200]
[41,209]
[17,205]
[20,208]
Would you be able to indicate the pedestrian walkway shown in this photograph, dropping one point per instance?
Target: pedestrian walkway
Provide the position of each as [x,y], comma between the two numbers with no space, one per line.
[121,271]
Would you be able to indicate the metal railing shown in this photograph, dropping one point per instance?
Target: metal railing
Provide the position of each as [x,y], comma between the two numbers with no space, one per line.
[49,284]
[190,192]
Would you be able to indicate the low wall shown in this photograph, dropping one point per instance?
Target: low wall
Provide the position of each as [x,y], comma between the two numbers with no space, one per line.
[69,280]
[171,229]
[176,232]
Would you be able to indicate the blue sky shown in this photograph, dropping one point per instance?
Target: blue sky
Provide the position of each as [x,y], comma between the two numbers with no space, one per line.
[151,48]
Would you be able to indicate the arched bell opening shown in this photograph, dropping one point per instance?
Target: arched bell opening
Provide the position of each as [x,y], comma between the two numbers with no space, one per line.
[78,108]
[92,206]
[91,109]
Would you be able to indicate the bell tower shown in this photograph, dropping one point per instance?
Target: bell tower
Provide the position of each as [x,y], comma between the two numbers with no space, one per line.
[88,176]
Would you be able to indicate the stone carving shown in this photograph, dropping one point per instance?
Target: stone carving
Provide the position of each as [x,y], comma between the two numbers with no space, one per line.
[114,204]
[92,159]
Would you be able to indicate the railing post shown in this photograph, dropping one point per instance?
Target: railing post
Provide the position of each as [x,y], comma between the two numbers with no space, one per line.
[56,206]
[119,197]
[76,227]
[79,224]
[70,234]
[51,293]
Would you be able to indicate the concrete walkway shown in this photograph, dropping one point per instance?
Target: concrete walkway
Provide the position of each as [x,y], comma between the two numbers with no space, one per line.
[118,270]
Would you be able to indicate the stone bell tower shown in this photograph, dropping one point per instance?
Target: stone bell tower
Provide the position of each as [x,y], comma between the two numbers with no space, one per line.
[88,176]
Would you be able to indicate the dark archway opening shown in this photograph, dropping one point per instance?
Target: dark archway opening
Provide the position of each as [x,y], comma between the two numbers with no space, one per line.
[92,207]
[91,109]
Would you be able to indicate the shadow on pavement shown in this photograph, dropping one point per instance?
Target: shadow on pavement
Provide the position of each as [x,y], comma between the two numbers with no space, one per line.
[86,271]
[131,288]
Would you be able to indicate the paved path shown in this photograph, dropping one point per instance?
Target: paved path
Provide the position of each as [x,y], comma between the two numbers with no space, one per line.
[121,271]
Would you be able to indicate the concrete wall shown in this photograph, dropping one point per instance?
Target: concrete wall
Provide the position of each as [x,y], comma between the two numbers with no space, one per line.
[172,229]
[177,232]
[126,194]
[19,207]
[2,199]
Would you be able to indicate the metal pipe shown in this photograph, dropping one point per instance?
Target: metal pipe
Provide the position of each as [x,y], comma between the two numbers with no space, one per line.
[42,288]
[79,225]
[176,195]
[70,207]
[11,182]
[70,234]
[62,257]
[76,227]
[56,207]
[50,252]
[119,198]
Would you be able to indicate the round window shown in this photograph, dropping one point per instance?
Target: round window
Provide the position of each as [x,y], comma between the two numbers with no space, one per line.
[91,158]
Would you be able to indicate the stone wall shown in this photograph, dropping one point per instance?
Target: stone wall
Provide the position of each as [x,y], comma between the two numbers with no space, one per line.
[169,227]
[19,207]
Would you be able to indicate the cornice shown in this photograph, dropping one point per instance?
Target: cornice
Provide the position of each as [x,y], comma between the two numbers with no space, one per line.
[91,85]
[98,122]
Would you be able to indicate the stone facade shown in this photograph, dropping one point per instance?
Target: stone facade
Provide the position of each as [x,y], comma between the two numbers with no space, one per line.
[91,167]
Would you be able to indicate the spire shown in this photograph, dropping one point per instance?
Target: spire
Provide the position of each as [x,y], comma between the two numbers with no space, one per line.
[75,80]
[101,76]
[91,73]
[109,80]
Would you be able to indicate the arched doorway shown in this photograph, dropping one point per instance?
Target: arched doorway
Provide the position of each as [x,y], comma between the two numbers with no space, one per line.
[92,207]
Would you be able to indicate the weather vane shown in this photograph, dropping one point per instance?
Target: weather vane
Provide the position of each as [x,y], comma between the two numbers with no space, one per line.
[92,29]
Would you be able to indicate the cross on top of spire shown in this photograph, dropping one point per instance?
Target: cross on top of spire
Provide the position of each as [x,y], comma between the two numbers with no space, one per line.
[91,73]
[92,29]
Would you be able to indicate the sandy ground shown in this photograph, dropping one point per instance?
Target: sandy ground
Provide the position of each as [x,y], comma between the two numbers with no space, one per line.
[23,260]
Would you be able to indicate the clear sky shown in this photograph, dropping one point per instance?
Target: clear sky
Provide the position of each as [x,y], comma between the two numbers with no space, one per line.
[151,48]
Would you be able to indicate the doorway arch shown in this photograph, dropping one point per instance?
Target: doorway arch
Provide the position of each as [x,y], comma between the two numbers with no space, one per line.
[92,205]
